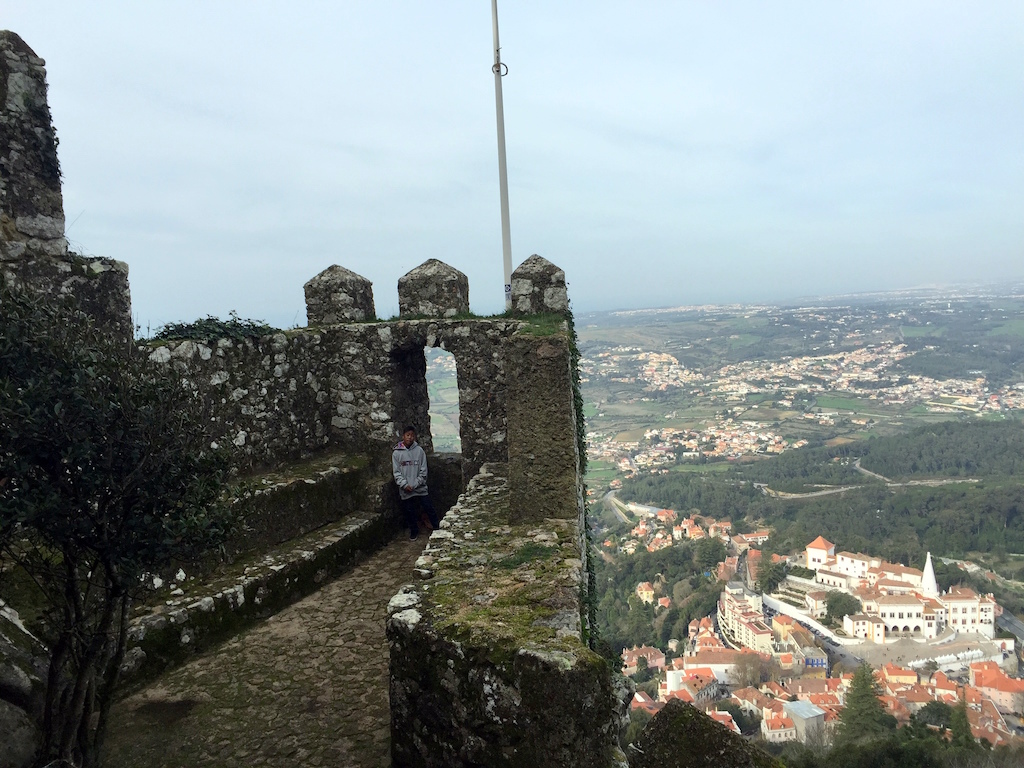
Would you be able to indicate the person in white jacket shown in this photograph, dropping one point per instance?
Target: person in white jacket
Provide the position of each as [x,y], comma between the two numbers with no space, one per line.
[409,466]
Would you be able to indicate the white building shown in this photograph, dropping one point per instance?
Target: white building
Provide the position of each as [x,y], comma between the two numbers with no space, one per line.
[905,600]
[740,613]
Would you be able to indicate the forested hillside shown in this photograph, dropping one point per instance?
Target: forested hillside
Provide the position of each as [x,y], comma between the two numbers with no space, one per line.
[900,523]
[978,449]
[682,492]
[677,572]
[949,449]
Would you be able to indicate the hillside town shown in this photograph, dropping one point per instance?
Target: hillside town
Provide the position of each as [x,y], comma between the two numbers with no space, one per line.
[867,373]
[773,657]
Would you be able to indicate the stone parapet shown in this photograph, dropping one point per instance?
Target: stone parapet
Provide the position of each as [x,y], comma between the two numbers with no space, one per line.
[488,661]
[33,250]
[352,386]
[212,610]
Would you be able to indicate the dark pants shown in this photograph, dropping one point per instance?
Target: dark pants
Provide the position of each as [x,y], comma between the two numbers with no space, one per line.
[411,508]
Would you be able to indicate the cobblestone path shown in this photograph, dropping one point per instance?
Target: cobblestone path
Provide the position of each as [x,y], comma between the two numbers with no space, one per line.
[308,687]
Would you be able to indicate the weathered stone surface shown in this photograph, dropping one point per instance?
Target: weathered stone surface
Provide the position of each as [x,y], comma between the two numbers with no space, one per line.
[19,737]
[433,289]
[538,286]
[33,251]
[23,665]
[488,664]
[31,207]
[308,687]
[200,614]
[543,455]
[291,395]
[680,736]
[338,295]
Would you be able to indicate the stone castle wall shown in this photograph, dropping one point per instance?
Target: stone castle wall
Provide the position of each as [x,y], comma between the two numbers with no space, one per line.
[490,656]
[352,386]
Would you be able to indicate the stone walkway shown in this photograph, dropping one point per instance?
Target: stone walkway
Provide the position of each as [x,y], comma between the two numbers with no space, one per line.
[308,686]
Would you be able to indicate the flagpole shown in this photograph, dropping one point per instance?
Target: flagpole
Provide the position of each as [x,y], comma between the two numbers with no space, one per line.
[500,70]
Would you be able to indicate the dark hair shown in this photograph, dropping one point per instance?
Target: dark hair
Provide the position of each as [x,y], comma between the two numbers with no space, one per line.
[409,428]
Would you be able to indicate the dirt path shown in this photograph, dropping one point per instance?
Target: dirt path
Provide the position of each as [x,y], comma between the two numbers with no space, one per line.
[307,687]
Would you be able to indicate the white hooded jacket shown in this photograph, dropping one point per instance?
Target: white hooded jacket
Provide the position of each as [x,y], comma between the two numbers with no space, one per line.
[409,467]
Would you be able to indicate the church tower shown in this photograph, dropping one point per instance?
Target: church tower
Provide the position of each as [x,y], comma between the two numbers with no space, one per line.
[929,587]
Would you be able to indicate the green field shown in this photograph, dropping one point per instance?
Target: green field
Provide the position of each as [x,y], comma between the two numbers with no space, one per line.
[837,403]
[737,341]
[1013,328]
[701,469]
[601,471]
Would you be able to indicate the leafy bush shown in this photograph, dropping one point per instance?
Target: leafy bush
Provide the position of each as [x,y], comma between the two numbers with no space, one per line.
[213,328]
[106,477]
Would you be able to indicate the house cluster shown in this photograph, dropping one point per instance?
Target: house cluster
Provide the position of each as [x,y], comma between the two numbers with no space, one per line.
[807,709]
[657,529]
[645,591]
[661,448]
[896,601]
[902,694]
[990,695]
[699,677]
[869,371]
[790,645]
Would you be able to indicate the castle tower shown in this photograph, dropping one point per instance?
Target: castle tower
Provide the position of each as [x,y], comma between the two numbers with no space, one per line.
[929,587]
[34,253]
[31,206]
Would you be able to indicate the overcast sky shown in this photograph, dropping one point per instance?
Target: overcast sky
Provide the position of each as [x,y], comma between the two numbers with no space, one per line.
[661,153]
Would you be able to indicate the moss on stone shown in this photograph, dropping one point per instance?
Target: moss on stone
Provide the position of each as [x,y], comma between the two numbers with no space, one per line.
[544,324]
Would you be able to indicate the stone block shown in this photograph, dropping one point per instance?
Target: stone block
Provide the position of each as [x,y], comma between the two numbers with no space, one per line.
[21,737]
[338,295]
[538,286]
[33,250]
[543,456]
[433,289]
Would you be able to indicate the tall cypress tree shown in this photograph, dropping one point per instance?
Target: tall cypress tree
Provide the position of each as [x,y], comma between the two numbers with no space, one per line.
[863,717]
[960,727]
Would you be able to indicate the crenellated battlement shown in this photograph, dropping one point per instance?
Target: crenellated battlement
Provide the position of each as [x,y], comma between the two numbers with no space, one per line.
[350,382]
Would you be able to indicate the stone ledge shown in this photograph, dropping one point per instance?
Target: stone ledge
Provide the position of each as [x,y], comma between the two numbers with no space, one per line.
[297,499]
[213,610]
[488,665]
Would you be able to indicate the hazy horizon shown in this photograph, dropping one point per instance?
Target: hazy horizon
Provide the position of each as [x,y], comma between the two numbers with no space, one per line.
[662,155]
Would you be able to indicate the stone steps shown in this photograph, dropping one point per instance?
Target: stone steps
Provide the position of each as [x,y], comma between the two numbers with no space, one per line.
[203,612]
